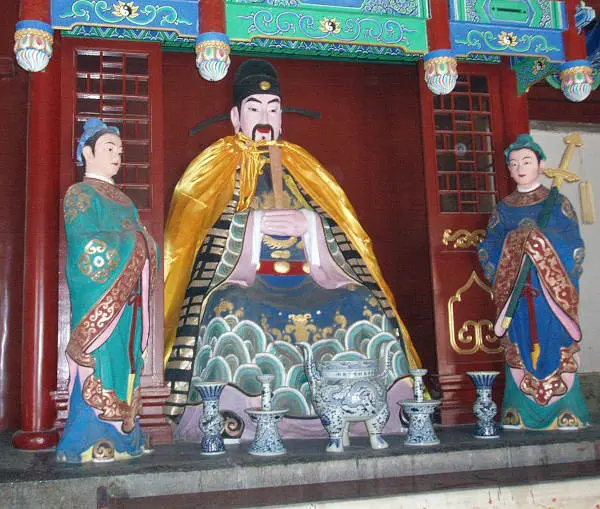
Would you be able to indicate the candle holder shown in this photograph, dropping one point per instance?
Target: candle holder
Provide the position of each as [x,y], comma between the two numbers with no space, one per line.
[420,427]
[266,394]
[267,441]
[418,385]
[419,412]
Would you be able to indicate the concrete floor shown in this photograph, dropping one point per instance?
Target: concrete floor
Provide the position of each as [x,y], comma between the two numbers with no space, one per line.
[178,476]
[236,479]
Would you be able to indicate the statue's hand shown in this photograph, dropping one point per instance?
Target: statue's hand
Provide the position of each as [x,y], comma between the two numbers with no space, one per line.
[283,222]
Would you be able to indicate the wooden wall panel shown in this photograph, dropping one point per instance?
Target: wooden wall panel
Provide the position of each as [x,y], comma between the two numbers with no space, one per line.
[463,309]
[550,105]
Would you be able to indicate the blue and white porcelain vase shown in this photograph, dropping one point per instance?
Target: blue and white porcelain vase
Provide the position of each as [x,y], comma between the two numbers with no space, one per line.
[212,422]
[484,407]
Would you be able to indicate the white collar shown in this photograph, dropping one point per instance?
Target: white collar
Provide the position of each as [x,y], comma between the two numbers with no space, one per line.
[97,176]
[528,189]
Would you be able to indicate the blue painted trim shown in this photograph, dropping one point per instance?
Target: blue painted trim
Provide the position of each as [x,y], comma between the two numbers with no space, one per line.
[470,38]
[439,53]
[213,36]
[452,9]
[563,16]
[32,23]
[168,39]
[575,63]
[180,16]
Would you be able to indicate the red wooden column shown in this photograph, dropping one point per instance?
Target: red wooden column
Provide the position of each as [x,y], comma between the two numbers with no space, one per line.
[40,297]
[38,10]
[438,26]
[13,105]
[573,42]
[211,14]
[212,43]
[440,63]
[515,115]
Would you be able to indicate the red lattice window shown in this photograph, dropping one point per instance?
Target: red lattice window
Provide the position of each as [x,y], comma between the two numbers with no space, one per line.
[113,86]
[465,147]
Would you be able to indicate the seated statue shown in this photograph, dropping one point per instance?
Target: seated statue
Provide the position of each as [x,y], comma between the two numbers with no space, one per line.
[111,271]
[537,228]
[262,251]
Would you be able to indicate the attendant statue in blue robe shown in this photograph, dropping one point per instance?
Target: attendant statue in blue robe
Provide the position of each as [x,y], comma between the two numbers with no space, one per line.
[533,235]
[263,250]
[111,271]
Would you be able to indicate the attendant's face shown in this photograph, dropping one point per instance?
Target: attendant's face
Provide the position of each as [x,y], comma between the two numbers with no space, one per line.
[105,159]
[524,167]
[259,117]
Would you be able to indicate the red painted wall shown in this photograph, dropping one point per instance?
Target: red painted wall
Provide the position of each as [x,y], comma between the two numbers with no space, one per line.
[13,118]
[369,138]
[550,105]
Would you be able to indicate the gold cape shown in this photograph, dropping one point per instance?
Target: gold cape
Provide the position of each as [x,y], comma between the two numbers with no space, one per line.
[207,187]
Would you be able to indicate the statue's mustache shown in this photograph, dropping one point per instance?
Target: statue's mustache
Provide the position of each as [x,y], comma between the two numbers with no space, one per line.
[263,126]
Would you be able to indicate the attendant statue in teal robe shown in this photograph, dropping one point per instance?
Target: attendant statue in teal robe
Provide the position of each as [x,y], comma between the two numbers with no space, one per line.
[111,271]
[533,235]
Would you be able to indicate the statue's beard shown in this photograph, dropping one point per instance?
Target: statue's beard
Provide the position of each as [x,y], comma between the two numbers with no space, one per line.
[263,127]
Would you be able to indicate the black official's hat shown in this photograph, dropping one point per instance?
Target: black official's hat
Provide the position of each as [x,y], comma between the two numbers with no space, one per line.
[255,77]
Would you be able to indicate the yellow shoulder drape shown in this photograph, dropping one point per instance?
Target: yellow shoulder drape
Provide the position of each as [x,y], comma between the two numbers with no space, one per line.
[207,187]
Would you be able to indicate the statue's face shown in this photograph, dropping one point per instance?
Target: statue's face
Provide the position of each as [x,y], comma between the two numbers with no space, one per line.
[524,167]
[105,160]
[259,117]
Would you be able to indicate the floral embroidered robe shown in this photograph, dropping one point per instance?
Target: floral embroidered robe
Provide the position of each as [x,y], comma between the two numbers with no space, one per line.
[111,270]
[542,392]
